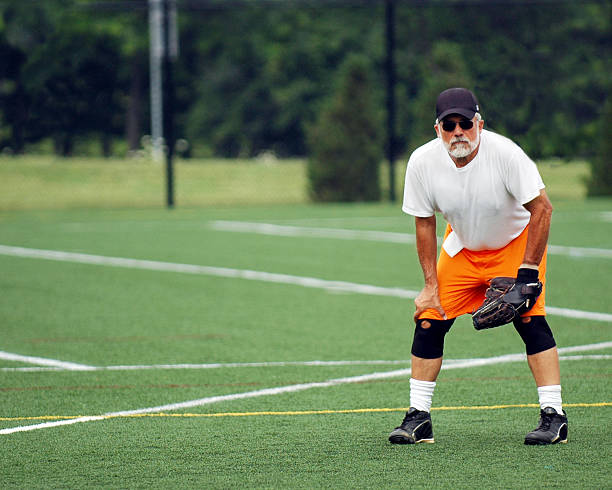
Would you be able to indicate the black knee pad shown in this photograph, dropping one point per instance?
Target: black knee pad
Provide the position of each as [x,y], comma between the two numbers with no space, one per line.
[428,343]
[535,333]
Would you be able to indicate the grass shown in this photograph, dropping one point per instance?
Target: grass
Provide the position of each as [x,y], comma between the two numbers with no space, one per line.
[322,437]
[51,183]
[106,316]
[45,182]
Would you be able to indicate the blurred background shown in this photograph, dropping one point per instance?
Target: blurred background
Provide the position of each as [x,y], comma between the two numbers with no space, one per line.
[287,101]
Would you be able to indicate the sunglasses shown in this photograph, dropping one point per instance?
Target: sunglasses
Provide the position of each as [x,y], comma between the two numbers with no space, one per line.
[465,124]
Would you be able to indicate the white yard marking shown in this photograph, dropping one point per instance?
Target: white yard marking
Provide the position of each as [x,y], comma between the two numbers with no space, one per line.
[594,357]
[304,231]
[581,252]
[309,282]
[377,236]
[58,365]
[41,361]
[457,364]
[220,365]
[213,365]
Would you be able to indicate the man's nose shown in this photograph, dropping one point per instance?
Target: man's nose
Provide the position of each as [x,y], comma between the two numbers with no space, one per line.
[457,131]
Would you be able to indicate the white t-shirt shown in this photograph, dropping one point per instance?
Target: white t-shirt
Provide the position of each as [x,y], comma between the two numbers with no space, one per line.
[483,201]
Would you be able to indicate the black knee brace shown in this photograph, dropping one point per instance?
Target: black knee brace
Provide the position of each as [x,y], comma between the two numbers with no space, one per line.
[535,333]
[428,343]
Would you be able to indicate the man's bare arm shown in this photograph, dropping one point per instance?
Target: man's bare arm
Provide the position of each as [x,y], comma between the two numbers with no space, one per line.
[427,249]
[539,226]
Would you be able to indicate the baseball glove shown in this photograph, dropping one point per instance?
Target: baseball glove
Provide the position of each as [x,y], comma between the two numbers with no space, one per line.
[506,299]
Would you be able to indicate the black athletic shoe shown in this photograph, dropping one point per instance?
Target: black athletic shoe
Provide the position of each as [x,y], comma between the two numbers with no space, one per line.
[552,428]
[416,427]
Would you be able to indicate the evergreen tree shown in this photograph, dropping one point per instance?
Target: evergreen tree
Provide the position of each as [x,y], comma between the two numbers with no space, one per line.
[345,142]
[600,183]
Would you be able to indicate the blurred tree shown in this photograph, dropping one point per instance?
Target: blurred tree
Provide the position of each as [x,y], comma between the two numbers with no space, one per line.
[533,67]
[253,78]
[345,141]
[76,95]
[22,29]
[129,31]
[259,90]
[445,67]
[12,99]
[600,182]
[67,82]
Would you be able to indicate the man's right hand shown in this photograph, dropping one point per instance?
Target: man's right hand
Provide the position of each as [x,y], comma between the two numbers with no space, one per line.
[428,298]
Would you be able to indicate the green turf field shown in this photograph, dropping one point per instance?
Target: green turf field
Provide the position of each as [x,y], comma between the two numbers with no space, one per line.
[169,349]
[85,338]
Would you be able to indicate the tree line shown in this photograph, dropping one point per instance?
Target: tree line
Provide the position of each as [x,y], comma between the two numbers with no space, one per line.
[254,78]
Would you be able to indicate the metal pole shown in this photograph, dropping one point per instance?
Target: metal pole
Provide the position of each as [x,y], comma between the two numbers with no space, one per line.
[169,55]
[390,69]
[156,49]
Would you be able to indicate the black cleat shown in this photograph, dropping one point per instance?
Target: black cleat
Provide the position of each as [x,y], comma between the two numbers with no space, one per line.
[416,427]
[552,428]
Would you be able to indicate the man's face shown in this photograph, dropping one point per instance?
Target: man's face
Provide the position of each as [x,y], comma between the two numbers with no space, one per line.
[459,142]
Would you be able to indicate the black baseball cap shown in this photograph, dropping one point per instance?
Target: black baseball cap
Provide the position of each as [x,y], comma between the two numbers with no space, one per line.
[456,101]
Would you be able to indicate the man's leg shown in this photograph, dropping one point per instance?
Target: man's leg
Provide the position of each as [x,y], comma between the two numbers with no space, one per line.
[541,348]
[545,367]
[426,369]
[543,360]
[427,349]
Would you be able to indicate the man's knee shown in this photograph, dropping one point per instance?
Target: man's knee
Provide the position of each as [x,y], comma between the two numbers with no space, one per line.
[536,334]
[428,342]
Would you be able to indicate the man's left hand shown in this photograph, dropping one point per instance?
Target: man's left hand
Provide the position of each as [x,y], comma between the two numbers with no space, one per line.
[508,298]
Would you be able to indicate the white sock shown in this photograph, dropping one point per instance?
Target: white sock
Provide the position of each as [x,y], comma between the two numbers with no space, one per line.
[550,396]
[421,393]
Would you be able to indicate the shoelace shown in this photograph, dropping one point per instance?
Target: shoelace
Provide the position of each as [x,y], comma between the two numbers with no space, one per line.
[545,422]
[408,417]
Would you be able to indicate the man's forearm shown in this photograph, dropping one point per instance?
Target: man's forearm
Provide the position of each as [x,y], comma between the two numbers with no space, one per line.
[539,226]
[427,248]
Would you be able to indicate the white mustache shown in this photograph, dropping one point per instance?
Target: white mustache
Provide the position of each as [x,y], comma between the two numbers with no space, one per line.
[460,140]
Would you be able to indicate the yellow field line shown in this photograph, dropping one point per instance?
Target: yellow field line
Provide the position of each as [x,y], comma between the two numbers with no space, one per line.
[304,412]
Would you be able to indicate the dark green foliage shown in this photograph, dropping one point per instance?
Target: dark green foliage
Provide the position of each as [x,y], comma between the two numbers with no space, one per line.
[62,78]
[600,183]
[345,141]
[446,68]
[251,79]
[258,91]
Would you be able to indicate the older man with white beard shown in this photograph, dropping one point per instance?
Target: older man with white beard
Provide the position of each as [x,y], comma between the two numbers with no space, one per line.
[498,218]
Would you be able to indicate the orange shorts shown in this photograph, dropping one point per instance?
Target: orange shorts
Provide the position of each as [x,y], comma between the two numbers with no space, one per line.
[463,279]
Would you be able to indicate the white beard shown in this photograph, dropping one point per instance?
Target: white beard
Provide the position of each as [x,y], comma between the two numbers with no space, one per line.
[464,148]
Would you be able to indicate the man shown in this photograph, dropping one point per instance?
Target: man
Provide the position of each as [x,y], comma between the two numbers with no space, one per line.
[498,218]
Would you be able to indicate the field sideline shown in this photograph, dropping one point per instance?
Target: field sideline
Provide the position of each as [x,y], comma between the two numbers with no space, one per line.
[144,347]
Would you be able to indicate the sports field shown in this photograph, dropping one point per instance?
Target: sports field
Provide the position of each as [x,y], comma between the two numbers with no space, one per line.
[253,346]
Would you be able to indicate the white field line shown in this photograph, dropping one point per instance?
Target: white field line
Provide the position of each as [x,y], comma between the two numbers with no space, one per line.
[59,365]
[377,236]
[581,252]
[309,282]
[458,364]
[144,367]
[594,357]
[218,365]
[41,361]
[305,231]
